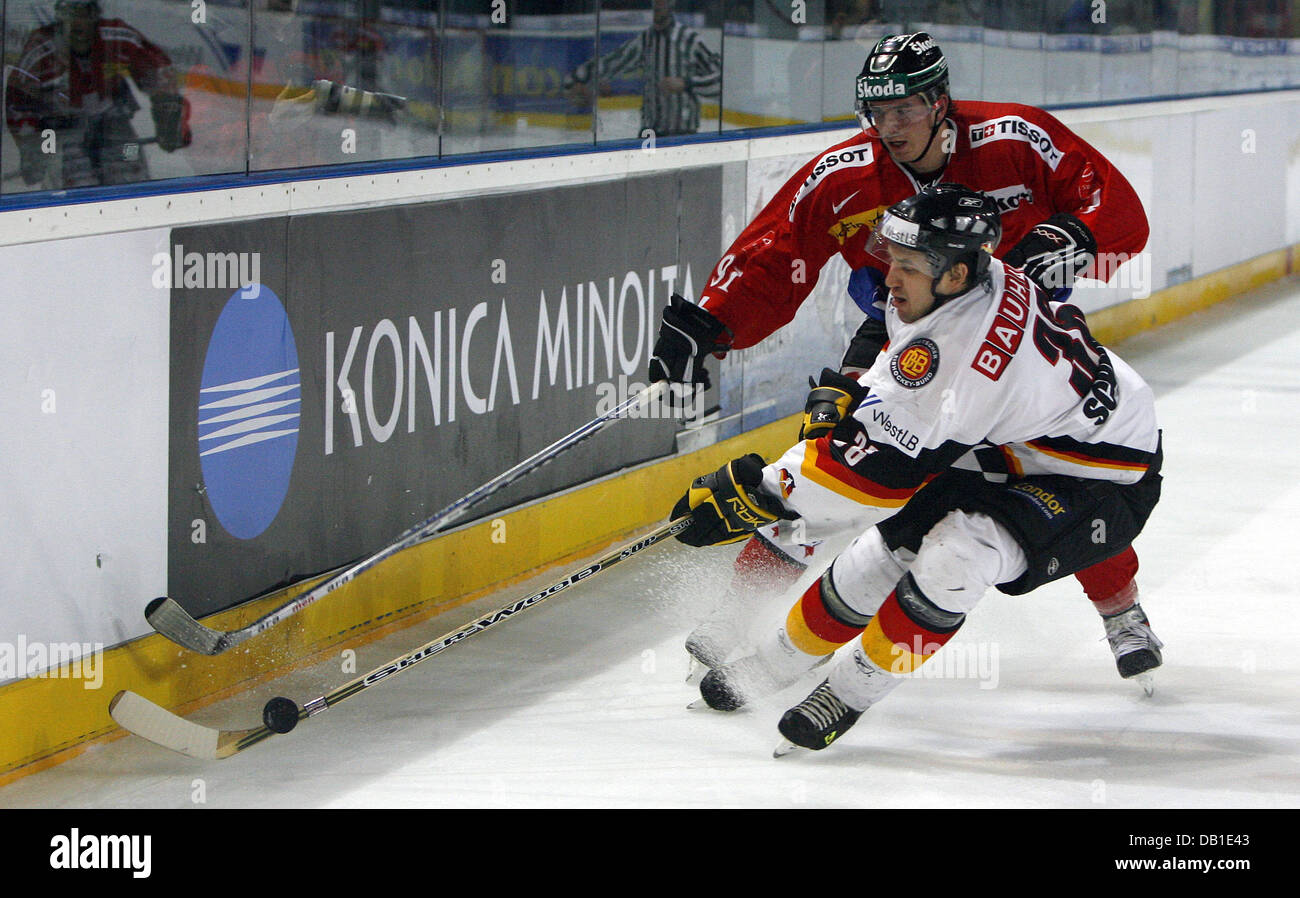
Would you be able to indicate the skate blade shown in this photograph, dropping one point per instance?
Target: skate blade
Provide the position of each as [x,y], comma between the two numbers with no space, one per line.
[696,672]
[1147,682]
[698,705]
[786,747]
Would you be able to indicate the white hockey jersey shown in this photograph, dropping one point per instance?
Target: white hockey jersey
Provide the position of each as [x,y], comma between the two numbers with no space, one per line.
[998,379]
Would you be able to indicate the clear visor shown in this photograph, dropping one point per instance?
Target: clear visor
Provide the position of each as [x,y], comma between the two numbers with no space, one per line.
[894,243]
[897,115]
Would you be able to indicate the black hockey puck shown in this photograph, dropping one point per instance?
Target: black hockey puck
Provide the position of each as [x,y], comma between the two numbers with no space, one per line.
[280,715]
[153,606]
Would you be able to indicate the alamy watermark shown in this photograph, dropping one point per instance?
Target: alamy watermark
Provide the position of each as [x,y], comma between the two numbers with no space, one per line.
[958,661]
[684,401]
[53,660]
[91,852]
[1124,271]
[208,271]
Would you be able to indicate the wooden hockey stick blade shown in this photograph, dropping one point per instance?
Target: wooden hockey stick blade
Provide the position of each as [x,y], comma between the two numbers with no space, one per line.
[160,726]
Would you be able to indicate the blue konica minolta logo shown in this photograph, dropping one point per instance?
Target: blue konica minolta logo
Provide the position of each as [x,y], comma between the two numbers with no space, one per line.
[250,405]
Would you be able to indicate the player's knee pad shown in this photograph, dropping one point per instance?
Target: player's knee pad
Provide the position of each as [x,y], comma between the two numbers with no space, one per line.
[908,629]
[962,556]
[820,622]
[867,571]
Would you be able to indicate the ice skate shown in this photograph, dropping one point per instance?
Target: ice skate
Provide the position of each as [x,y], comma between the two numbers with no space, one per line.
[732,686]
[815,722]
[760,569]
[715,640]
[1135,646]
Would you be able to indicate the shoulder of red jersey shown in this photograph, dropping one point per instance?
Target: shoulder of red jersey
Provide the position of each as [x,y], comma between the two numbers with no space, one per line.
[856,154]
[985,124]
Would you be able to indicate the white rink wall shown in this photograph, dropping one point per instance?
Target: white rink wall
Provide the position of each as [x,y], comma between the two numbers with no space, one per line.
[85,403]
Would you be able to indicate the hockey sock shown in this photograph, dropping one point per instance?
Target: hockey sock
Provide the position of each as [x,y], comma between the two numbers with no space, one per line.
[763,565]
[908,629]
[1109,584]
[820,622]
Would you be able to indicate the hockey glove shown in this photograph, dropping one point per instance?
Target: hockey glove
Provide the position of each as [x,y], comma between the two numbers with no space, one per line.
[170,125]
[867,288]
[866,344]
[688,333]
[727,506]
[1054,253]
[833,399]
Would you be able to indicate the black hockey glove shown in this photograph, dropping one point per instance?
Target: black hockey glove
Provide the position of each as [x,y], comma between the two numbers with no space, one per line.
[688,334]
[169,125]
[833,399]
[726,506]
[866,344]
[1054,253]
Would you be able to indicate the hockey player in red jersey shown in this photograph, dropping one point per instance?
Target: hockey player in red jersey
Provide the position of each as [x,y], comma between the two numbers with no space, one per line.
[69,106]
[1061,202]
[992,442]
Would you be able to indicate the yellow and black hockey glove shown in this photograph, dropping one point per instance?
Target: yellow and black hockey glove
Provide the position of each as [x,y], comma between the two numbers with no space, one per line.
[726,506]
[833,400]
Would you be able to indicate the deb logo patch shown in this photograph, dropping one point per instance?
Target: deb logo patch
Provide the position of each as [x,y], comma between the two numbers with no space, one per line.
[250,405]
[917,363]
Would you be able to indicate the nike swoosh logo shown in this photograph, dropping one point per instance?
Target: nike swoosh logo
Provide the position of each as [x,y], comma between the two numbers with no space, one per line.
[836,207]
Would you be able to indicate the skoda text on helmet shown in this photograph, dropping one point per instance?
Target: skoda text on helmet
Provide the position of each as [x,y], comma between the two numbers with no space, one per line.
[947,224]
[899,66]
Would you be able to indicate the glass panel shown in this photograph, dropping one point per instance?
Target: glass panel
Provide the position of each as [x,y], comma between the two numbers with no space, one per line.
[505,69]
[659,70]
[773,65]
[852,29]
[106,92]
[337,82]
[1014,63]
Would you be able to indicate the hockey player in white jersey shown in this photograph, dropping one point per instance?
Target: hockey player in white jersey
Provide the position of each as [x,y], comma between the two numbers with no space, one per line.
[993,442]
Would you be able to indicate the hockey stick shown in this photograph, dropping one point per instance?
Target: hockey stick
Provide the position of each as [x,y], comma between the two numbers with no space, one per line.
[166,615]
[160,726]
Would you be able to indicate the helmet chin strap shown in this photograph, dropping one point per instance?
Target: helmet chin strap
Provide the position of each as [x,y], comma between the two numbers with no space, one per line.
[934,132]
[940,298]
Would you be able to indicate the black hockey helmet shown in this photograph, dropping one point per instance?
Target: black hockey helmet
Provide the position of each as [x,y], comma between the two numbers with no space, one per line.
[898,66]
[947,223]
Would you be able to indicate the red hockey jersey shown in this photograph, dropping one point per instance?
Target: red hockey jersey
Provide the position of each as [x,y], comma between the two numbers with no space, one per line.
[48,83]
[1020,155]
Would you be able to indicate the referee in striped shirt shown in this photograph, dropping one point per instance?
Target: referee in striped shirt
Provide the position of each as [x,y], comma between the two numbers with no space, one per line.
[677,67]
